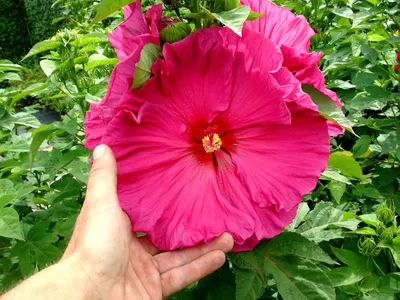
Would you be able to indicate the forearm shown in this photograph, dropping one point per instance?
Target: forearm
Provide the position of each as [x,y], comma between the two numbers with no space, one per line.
[63,280]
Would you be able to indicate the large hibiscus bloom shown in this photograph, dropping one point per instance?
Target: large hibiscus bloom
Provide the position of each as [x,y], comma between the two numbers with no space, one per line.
[293,34]
[218,140]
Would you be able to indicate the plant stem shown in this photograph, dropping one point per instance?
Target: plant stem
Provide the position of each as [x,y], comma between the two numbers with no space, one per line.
[377,266]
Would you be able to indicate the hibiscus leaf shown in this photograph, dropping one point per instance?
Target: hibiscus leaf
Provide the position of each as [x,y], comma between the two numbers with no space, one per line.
[249,284]
[43,46]
[7,192]
[344,276]
[344,162]
[233,18]
[296,278]
[326,223]
[108,7]
[9,223]
[254,16]
[149,55]
[291,243]
[38,136]
[327,108]
[97,60]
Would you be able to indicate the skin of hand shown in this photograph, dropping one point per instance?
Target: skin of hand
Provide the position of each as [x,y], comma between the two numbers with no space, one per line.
[106,260]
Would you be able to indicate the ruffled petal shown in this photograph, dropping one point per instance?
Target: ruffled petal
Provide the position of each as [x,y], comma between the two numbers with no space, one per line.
[289,83]
[125,37]
[196,93]
[165,185]
[153,17]
[268,222]
[313,75]
[280,163]
[280,25]
[119,85]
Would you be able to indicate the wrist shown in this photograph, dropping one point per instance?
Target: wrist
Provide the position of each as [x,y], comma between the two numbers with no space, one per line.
[77,275]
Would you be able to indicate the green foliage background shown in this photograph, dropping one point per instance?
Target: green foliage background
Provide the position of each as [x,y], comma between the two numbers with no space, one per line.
[14,36]
[39,18]
[24,23]
[344,242]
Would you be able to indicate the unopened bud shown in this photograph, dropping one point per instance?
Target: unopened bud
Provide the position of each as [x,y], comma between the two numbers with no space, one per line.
[385,214]
[368,247]
[387,235]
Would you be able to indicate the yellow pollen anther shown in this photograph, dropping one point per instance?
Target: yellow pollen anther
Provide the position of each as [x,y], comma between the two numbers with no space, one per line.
[211,143]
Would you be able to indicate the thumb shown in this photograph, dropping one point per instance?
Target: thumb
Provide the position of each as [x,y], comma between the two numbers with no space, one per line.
[102,184]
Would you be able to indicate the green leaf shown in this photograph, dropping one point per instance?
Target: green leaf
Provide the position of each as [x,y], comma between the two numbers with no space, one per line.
[7,192]
[43,46]
[325,223]
[331,174]
[245,260]
[337,190]
[344,162]
[299,279]
[361,146]
[365,231]
[394,249]
[357,262]
[249,284]
[291,243]
[344,12]
[26,119]
[9,224]
[28,91]
[302,211]
[37,251]
[148,56]
[38,136]
[91,38]
[97,60]
[108,7]
[327,108]
[390,283]
[233,18]
[49,66]
[254,16]
[344,276]
[175,32]
[9,76]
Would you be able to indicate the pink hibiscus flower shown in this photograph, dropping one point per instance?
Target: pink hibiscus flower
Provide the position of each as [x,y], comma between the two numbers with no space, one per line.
[213,143]
[293,34]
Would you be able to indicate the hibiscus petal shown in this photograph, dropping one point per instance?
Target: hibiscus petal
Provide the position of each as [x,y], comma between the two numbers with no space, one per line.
[153,17]
[204,87]
[280,25]
[124,37]
[280,163]
[289,83]
[119,86]
[268,222]
[162,177]
[313,75]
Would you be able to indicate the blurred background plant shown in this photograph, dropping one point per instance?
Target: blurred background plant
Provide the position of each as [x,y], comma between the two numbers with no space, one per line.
[344,242]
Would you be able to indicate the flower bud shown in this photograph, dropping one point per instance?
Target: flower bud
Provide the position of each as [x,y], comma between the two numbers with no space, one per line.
[175,32]
[380,228]
[385,214]
[368,247]
[387,235]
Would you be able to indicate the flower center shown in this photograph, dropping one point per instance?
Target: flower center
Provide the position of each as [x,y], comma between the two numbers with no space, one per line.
[211,142]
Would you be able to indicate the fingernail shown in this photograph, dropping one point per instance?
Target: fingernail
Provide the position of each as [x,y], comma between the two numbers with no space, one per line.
[99,151]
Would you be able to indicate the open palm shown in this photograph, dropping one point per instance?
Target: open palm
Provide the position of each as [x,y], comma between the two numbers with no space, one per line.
[118,263]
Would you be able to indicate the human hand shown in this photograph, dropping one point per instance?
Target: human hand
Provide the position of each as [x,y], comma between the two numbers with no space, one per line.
[119,265]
